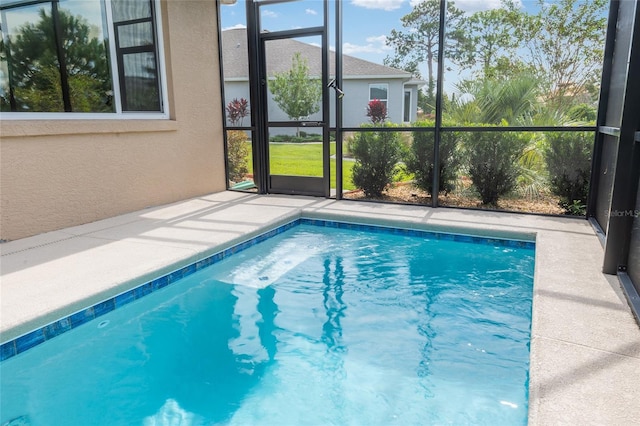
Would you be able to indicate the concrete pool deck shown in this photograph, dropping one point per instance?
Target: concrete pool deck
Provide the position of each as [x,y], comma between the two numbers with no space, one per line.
[585,347]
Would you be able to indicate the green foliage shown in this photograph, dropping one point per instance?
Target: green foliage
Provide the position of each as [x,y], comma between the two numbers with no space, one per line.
[237,153]
[583,112]
[419,159]
[295,92]
[35,69]
[493,162]
[31,98]
[565,39]
[426,101]
[576,208]
[491,101]
[490,42]
[568,157]
[376,156]
[532,180]
[418,44]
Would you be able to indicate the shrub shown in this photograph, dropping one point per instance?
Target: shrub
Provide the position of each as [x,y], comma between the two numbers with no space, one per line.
[237,147]
[237,152]
[568,158]
[237,109]
[492,161]
[376,155]
[376,111]
[304,137]
[583,113]
[420,157]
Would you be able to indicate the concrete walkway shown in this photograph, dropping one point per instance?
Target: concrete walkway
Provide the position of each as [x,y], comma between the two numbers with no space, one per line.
[585,348]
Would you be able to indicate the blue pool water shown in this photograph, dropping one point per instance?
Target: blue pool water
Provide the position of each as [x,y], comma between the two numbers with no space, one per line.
[314,326]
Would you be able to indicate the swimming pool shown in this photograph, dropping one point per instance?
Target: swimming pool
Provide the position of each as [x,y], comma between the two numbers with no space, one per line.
[337,324]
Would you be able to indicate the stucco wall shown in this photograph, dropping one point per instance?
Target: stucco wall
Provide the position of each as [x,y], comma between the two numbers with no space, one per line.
[60,173]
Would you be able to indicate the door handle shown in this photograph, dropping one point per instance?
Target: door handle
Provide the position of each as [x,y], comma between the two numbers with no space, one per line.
[311,123]
[333,84]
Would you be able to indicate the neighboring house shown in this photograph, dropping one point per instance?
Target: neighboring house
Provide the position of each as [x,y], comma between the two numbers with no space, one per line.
[363,81]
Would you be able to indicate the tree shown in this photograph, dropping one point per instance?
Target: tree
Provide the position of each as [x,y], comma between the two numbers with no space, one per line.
[35,67]
[419,42]
[295,92]
[565,40]
[491,42]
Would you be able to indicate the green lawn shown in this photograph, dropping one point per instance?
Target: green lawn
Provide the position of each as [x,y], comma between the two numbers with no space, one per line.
[304,159]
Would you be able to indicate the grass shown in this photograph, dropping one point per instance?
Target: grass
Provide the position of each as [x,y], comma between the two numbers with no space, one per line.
[304,159]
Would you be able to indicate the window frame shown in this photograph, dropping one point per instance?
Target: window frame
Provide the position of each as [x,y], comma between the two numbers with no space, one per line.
[114,65]
[406,109]
[386,88]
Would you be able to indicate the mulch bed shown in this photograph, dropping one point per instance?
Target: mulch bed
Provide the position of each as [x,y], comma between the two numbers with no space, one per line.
[407,193]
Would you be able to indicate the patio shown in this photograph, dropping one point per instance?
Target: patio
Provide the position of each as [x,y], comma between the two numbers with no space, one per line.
[585,347]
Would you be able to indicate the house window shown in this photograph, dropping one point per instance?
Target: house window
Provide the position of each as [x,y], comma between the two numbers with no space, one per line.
[379,92]
[89,56]
[406,115]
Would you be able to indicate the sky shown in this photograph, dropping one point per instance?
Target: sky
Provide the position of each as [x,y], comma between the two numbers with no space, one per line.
[366,23]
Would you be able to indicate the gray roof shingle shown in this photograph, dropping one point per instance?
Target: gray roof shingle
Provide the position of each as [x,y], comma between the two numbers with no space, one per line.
[280,52]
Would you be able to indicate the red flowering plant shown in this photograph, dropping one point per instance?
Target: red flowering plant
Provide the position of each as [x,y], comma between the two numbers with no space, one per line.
[376,111]
[237,109]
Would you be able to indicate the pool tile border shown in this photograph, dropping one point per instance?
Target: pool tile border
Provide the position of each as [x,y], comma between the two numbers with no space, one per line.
[33,338]
[530,245]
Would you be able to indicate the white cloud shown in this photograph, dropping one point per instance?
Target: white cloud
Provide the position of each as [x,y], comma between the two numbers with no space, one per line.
[378,4]
[269,14]
[351,49]
[236,26]
[380,40]
[474,5]
[310,12]
[375,44]
[479,5]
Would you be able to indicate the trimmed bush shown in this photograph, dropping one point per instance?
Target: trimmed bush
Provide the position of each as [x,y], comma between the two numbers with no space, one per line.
[419,159]
[376,156]
[568,158]
[492,161]
[237,152]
